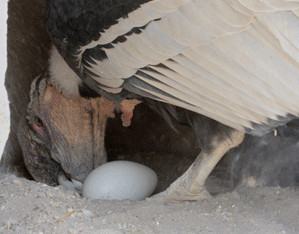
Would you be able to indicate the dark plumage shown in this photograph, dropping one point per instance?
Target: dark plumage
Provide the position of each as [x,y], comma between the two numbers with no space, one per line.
[270,160]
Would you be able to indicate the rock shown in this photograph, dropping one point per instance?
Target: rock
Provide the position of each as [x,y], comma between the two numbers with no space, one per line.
[87,213]
[17,182]
[73,231]
[50,194]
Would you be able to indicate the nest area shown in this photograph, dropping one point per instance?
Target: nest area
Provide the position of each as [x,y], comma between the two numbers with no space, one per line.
[28,46]
[149,140]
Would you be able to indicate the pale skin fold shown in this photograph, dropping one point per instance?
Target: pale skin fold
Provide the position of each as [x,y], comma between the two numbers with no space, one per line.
[69,132]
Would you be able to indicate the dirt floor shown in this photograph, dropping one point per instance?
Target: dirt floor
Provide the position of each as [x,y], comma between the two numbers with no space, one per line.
[30,207]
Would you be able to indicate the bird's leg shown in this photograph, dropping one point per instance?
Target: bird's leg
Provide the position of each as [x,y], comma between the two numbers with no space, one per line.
[190,186]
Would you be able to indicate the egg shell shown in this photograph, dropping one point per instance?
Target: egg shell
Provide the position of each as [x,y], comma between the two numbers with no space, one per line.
[120,180]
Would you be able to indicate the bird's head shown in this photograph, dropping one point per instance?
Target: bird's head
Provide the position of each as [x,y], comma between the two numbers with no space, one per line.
[62,136]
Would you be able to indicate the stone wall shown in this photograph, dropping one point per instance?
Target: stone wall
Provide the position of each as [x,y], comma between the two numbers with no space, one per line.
[27,51]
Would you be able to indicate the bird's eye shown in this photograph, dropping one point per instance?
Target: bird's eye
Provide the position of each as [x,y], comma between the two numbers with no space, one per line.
[38,122]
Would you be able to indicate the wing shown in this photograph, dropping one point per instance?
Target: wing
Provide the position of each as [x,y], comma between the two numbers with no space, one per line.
[235,61]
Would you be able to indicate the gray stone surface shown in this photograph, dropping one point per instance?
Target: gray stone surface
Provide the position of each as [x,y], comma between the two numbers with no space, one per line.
[27,51]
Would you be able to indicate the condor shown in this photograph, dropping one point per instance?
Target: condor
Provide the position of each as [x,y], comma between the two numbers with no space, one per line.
[226,67]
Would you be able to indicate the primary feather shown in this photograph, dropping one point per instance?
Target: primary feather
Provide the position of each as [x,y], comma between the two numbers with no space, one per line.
[235,61]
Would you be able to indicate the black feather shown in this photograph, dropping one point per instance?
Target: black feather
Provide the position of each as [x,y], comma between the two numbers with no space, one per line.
[80,22]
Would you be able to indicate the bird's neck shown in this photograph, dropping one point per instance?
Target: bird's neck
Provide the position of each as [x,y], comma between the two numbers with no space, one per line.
[64,79]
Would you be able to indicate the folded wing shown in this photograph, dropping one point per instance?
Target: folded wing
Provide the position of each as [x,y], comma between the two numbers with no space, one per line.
[236,61]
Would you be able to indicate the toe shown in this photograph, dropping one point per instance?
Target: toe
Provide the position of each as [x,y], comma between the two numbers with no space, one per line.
[179,196]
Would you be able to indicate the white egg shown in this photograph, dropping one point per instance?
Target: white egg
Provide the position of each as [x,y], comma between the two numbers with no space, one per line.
[120,180]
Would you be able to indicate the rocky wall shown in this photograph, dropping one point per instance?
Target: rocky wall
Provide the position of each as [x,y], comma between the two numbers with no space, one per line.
[27,51]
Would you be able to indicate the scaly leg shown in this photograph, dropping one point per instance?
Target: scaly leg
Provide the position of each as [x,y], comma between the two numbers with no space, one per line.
[190,186]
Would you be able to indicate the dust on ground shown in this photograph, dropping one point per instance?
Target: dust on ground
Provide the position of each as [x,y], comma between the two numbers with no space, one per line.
[30,207]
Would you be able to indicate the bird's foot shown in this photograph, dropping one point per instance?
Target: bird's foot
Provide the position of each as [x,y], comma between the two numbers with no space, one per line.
[73,185]
[179,195]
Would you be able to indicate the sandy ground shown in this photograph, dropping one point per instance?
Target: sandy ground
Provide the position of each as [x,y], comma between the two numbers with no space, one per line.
[30,207]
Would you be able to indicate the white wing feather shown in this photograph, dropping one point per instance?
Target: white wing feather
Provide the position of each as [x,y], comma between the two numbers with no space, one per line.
[236,61]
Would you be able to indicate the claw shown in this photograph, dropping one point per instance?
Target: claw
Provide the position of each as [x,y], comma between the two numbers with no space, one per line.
[179,196]
[73,185]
